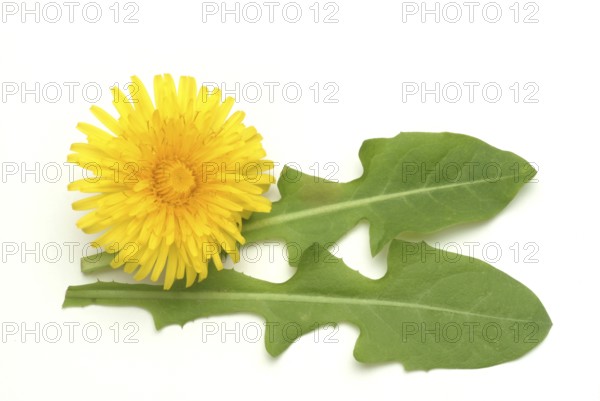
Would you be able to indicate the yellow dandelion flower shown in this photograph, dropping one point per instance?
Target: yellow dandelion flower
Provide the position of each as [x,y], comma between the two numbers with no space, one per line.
[173,181]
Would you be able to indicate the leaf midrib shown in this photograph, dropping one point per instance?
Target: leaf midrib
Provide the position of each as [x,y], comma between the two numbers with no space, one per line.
[353,203]
[266,296]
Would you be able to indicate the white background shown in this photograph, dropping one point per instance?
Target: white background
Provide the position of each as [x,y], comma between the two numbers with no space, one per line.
[368,54]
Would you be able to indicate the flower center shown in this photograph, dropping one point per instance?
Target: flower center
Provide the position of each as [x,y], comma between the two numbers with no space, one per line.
[174,182]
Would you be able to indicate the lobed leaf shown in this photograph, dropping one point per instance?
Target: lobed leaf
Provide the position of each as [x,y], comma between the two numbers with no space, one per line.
[433,308]
[415,182]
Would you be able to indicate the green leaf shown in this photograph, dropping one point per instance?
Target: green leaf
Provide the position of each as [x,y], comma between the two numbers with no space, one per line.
[433,309]
[415,182]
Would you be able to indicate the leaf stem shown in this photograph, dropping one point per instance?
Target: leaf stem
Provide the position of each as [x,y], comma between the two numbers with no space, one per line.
[96,263]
